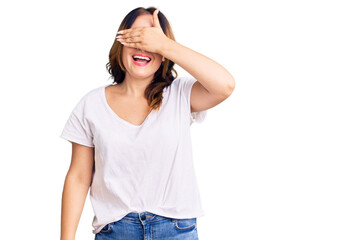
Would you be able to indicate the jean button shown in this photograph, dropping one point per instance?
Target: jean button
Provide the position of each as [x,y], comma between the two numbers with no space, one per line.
[143,217]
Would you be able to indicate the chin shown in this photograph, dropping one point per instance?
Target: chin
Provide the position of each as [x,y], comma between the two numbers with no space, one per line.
[142,73]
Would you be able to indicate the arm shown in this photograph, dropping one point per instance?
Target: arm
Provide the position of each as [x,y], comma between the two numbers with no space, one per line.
[215,78]
[76,186]
[214,83]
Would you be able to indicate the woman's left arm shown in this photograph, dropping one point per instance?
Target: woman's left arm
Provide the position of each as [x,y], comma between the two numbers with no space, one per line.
[214,77]
[214,83]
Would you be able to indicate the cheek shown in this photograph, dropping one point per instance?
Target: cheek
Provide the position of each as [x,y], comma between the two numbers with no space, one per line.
[126,51]
[157,64]
[158,59]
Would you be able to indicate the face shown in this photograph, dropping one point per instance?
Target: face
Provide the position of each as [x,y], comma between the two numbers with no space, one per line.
[136,61]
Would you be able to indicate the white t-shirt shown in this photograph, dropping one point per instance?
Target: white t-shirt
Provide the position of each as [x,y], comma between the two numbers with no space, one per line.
[139,168]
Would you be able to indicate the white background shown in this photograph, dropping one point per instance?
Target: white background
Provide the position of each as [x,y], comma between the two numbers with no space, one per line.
[274,161]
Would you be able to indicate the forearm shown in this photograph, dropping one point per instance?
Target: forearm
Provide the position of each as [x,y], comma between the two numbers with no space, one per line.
[214,77]
[73,200]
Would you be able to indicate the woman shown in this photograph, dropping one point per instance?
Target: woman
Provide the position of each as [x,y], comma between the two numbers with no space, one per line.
[131,140]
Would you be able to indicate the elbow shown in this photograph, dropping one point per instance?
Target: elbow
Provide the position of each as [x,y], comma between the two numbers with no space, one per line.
[230,87]
[78,178]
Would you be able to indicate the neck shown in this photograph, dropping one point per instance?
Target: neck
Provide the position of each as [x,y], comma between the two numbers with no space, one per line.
[135,87]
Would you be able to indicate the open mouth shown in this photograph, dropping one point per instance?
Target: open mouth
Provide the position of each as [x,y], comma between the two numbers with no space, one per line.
[141,60]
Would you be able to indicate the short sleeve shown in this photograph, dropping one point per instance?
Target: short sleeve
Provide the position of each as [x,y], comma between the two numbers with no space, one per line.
[77,128]
[186,86]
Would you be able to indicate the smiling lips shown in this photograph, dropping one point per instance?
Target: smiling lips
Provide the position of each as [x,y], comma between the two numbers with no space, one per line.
[140,59]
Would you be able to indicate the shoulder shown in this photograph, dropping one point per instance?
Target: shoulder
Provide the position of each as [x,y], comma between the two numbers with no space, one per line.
[93,93]
[90,98]
[184,83]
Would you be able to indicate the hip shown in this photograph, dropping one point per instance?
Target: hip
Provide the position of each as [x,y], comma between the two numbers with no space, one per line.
[149,226]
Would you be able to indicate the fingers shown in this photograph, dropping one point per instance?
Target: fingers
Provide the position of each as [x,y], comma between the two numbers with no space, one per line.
[129,39]
[133,40]
[131,35]
[133,45]
[156,19]
[130,32]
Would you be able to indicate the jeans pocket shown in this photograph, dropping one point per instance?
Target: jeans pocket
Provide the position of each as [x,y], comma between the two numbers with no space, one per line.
[106,228]
[185,224]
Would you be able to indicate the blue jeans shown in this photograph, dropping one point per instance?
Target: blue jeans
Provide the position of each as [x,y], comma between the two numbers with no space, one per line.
[149,226]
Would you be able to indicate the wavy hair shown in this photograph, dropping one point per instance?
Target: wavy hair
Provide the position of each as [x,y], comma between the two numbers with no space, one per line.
[163,77]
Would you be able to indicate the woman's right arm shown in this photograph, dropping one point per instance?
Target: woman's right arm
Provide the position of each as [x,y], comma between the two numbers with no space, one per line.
[76,186]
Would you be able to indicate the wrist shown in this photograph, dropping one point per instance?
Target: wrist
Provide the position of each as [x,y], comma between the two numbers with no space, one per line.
[166,46]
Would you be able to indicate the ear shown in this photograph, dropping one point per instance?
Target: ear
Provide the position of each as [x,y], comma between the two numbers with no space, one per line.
[163,59]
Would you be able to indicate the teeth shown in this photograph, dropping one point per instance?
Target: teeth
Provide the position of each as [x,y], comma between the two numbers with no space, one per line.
[140,57]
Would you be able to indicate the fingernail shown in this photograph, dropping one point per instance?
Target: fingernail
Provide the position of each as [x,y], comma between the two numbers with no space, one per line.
[120,32]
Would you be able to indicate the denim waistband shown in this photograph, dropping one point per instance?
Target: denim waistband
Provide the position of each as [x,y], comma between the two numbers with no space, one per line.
[135,216]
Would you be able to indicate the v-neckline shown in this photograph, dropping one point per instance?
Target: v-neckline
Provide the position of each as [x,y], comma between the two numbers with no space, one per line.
[103,94]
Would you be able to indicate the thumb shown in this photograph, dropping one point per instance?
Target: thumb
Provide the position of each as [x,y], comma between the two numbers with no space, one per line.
[156,19]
